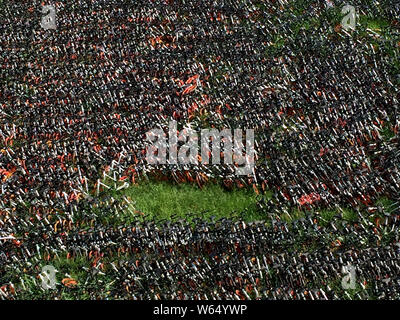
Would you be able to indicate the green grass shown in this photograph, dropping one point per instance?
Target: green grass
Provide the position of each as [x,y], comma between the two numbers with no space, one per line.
[29,285]
[376,24]
[327,216]
[388,133]
[386,203]
[166,200]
